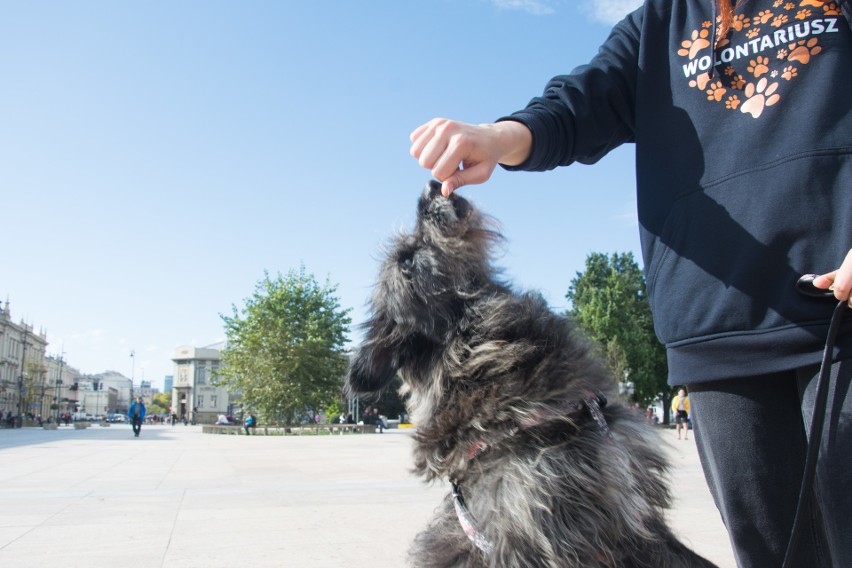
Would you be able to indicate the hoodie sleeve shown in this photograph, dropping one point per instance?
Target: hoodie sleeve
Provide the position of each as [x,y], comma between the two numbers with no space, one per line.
[582,116]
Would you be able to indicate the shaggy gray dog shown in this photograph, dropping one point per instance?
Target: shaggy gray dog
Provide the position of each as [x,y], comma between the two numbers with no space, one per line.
[511,408]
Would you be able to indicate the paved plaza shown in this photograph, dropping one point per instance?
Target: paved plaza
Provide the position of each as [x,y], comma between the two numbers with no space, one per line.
[175,497]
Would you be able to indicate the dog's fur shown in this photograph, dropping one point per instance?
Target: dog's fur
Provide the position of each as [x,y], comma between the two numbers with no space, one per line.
[500,388]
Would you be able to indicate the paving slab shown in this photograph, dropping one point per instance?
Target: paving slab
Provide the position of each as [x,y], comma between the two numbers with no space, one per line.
[175,497]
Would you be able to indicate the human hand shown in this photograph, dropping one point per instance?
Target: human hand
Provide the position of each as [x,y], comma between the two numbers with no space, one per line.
[839,281]
[458,153]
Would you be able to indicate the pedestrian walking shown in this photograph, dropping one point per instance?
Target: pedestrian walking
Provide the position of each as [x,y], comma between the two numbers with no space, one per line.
[137,415]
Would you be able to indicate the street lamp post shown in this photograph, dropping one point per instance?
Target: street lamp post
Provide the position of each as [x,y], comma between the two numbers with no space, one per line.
[59,385]
[19,423]
[132,372]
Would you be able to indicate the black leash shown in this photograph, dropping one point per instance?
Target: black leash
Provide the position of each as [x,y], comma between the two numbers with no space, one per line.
[805,286]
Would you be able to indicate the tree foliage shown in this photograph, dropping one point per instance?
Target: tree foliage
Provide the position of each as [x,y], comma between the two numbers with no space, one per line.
[610,305]
[284,349]
[161,402]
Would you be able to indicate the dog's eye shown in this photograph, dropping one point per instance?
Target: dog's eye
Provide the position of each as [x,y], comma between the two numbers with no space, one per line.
[406,264]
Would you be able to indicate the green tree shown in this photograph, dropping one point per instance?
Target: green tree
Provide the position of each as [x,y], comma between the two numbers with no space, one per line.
[160,403]
[610,305]
[284,349]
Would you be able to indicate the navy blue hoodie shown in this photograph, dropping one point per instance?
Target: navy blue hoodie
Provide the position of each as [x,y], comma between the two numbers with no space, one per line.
[744,170]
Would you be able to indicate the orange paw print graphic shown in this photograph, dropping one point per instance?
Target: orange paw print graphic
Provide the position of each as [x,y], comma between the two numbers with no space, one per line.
[802,51]
[814,3]
[758,66]
[779,20]
[790,72]
[752,33]
[716,91]
[831,9]
[782,54]
[803,14]
[737,82]
[707,24]
[700,81]
[789,6]
[740,22]
[777,3]
[764,17]
[759,96]
[733,102]
[691,47]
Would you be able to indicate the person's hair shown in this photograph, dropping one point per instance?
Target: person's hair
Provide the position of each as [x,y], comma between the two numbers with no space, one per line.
[725,11]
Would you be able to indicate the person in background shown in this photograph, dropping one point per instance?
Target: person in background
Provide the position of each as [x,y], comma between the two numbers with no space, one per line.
[680,409]
[250,424]
[137,415]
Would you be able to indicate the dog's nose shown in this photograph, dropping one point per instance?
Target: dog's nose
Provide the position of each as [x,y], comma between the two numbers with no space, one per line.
[432,189]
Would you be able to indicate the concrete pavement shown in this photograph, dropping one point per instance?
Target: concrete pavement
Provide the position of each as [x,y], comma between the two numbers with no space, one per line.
[177,498]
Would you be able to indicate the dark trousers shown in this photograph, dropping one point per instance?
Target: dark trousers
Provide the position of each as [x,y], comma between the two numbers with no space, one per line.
[137,425]
[751,435]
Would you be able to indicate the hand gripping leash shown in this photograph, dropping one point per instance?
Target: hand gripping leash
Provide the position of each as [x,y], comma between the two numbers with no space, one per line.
[805,286]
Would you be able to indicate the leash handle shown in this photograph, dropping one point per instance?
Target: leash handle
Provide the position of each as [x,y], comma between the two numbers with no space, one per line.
[805,285]
[817,420]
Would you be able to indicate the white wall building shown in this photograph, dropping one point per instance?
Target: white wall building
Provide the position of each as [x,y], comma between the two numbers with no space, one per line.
[193,394]
[122,385]
[99,402]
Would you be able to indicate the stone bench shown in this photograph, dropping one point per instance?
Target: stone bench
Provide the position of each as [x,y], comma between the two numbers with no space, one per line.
[291,430]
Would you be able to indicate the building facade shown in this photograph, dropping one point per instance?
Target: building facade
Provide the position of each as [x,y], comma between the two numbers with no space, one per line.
[123,389]
[146,391]
[99,403]
[64,379]
[194,397]
[23,372]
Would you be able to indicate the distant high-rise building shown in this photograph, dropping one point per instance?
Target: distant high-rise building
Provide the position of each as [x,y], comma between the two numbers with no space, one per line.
[168,382]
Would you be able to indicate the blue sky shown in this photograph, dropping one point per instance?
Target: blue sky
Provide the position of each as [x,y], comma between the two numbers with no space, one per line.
[156,157]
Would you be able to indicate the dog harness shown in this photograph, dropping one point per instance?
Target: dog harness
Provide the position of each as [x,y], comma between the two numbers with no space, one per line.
[594,405]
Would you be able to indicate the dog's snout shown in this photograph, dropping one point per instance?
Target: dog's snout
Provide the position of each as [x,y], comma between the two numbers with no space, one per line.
[432,189]
[434,202]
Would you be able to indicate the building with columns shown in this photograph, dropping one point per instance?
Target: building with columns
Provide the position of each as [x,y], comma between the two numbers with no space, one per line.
[23,372]
[194,397]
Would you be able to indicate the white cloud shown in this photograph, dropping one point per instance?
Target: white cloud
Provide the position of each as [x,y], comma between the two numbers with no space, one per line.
[604,11]
[610,11]
[629,216]
[537,7]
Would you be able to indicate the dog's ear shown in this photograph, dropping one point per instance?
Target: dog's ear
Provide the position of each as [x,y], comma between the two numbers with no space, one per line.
[371,370]
[375,362]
